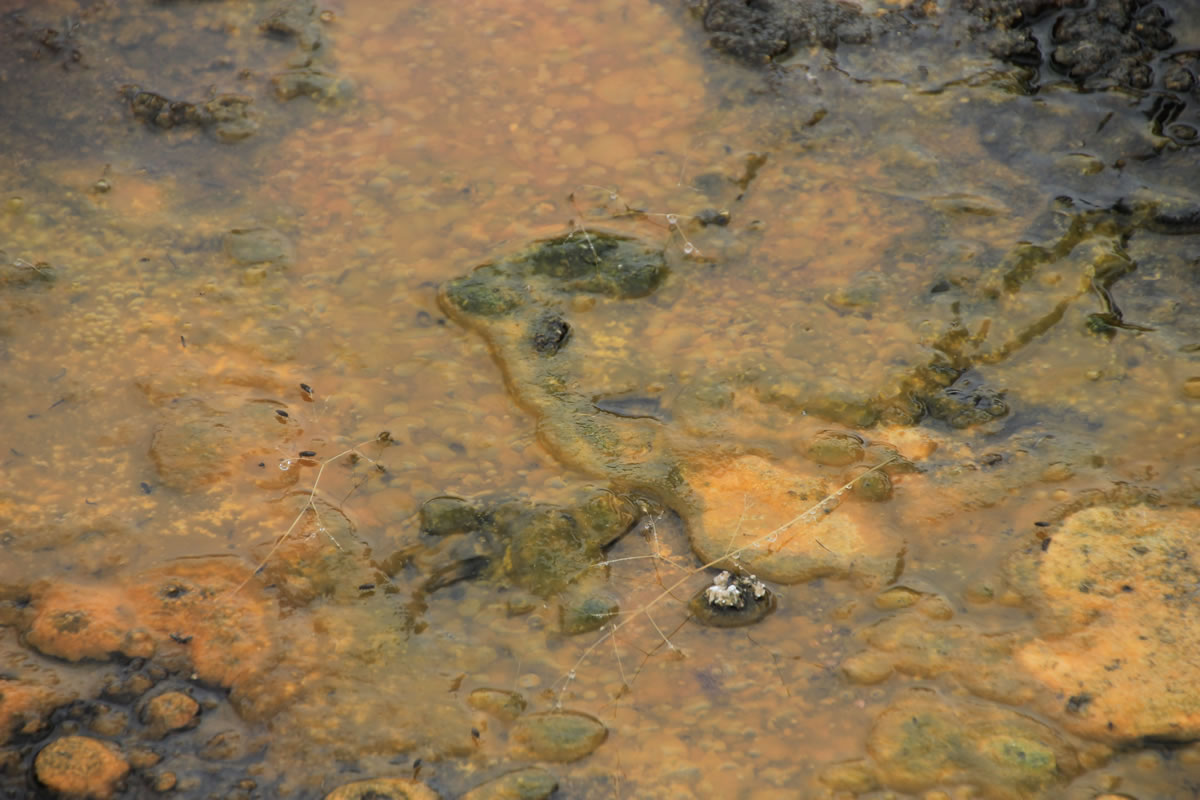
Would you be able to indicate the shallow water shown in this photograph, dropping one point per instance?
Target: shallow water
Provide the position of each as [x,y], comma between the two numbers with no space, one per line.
[165,294]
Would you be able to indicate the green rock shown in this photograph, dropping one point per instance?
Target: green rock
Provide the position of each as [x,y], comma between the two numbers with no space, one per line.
[557,736]
[600,263]
[476,294]
[585,611]
[925,740]
[531,783]
[896,597]
[499,703]
[443,516]
[604,518]
[874,486]
[836,448]
[547,550]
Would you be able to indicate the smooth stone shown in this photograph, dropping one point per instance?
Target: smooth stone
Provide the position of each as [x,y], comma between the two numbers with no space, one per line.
[557,736]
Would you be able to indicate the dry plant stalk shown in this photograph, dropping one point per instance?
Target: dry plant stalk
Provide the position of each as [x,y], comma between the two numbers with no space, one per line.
[310,504]
[672,219]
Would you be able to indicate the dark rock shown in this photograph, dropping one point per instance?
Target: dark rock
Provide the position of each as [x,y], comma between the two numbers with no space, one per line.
[711,216]
[597,263]
[732,601]
[758,31]
[550,334]
[482,293]
[228,115]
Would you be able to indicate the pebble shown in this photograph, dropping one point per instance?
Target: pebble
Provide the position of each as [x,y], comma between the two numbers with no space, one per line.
[82,767]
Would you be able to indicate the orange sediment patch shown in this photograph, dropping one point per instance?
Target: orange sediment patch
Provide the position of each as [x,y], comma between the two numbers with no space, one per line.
[741,502]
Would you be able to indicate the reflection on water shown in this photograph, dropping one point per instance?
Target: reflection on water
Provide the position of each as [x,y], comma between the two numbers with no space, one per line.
[237,244]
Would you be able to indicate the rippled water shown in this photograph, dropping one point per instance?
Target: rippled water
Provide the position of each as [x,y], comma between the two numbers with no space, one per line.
[193,296]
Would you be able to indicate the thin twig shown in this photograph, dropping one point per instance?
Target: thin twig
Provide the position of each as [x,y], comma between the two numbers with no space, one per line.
[309,505]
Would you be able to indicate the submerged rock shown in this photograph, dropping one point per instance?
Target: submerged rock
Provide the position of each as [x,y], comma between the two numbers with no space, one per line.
[499,703]
[27,702]
[257,245]
[587,609]
[557,736]
[731,602]
[740,503]
[836,448]
[543,549]
[81,767]
[522,784]
[546,551]
[228,116]
[184,614]
[316,84]
[383,789]
[170,711]
[442,516]
[1114,590]
[758,32]
[966,403]
[925,740]
[590,263]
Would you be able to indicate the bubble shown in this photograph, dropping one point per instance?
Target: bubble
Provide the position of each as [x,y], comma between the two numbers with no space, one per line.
[688,248]
[773,538]
[285,464]
[571,675]
[672,219]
